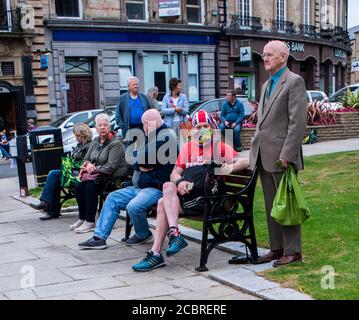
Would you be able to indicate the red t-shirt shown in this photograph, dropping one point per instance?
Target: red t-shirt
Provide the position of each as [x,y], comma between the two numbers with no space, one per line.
[191,154]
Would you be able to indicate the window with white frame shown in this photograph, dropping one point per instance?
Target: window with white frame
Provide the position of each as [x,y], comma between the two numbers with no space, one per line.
[194,11]
[306,13]
[125,68]
[244,11]
[281,10]
[136,9]
[193,77]
[325,16]
[5,15]
[68,8]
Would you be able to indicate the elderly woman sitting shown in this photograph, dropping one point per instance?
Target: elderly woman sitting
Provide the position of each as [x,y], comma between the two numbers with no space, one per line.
[50,197]
[105,157]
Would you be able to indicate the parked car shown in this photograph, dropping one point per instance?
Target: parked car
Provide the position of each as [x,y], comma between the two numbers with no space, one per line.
[334,100]
[214,107]
[69,139]
[194,105]
[67,121]
[313,96]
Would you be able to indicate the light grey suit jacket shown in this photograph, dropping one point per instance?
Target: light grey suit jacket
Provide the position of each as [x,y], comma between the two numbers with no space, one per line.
[281,127]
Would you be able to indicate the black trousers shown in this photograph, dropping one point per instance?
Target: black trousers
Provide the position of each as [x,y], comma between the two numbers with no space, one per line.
[87,193]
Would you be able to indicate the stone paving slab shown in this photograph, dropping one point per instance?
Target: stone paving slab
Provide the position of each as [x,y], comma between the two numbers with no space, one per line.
[140,291]
[12,283]
[99,270]
[75,287]
[23,294]
[15,256]
[40,265]
[79,296]
[247,280]
[282,294]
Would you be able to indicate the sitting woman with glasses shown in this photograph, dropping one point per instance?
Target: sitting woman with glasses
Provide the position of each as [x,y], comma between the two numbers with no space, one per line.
[105,158]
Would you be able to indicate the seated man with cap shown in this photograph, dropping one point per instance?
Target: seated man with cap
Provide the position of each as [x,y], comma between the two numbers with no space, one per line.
[200,150]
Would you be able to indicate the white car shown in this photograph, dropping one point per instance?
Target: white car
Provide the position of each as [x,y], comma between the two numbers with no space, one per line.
[314,95]
[67,121]
[334,100]
[69,139]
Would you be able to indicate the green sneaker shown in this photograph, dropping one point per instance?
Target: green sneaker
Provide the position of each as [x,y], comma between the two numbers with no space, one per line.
[176,244]
[149,262]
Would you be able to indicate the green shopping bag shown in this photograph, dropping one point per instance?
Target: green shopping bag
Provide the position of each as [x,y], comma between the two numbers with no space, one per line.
[290,207]
[70,170]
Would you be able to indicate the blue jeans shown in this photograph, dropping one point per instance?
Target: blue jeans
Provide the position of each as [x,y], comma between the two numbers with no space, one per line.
[135,201]
[236,134]
[52,190]
[4,149]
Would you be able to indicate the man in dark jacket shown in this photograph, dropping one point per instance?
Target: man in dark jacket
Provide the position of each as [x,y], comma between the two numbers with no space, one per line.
[131,107]
[151,171]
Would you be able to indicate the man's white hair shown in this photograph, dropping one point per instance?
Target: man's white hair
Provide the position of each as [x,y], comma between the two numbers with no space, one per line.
[132,78]
[103,116]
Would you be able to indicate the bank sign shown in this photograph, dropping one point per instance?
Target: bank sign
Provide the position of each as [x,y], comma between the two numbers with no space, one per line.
[295,46]
[169,8]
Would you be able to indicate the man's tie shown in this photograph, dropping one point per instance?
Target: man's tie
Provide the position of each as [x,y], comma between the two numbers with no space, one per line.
[267,93]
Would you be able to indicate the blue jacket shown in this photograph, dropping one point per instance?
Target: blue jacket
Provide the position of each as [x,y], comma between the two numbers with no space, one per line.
[160,172]
[123,110]
[169,112]
[237,109]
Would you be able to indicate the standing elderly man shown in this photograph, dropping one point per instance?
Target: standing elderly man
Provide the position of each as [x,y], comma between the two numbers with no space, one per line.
[282,119]
[131,107]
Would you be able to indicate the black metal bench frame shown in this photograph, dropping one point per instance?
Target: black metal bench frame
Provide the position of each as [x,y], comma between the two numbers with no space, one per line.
[223,210]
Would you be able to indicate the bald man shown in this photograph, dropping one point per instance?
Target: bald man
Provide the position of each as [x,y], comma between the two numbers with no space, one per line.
[282,119]
[152,168]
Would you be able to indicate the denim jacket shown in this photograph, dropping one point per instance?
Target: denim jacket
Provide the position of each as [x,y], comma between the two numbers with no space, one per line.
[169,112]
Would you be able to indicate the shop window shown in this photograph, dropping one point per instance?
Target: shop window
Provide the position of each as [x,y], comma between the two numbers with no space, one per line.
[194,11]
[306,13]
[125,68]
[68,8]
[7,69]
[193,77]
[136,9]
[79,66]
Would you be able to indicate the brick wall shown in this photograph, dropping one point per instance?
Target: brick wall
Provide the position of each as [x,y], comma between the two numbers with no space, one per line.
[347,127]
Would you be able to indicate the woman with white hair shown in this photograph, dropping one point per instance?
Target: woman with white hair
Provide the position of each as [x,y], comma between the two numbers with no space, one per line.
[105,157]
[152,95]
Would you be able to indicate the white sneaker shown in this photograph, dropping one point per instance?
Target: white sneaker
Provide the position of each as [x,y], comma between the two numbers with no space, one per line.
[77,224]
[85,227]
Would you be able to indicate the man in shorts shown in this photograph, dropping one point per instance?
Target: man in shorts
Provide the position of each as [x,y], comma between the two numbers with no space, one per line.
[198,151]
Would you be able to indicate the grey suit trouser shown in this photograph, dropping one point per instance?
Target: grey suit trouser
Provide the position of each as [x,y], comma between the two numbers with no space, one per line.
[281,237]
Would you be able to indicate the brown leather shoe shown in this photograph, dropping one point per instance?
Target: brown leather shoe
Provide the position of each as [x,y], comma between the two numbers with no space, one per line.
[270,256]
[287,260]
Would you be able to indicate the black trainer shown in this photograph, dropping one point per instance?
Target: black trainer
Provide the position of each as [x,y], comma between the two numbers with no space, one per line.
[135,241]
[93,244]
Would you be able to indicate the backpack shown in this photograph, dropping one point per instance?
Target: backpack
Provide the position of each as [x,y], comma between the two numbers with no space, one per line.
[205,183]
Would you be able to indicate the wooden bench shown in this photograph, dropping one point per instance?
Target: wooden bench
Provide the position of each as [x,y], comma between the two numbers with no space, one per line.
[226,218]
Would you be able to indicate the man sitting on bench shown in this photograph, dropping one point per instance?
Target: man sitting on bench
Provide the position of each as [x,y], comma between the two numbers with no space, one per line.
[196,152]
[151,171]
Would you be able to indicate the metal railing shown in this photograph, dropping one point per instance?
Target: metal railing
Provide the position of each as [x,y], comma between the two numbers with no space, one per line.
[10,21]
[281,25]
[307,30]
[239,22]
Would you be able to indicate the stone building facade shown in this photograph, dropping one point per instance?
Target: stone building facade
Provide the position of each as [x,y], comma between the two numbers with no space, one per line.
[97,44]
[23,84]
[354,42]
[316,33]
